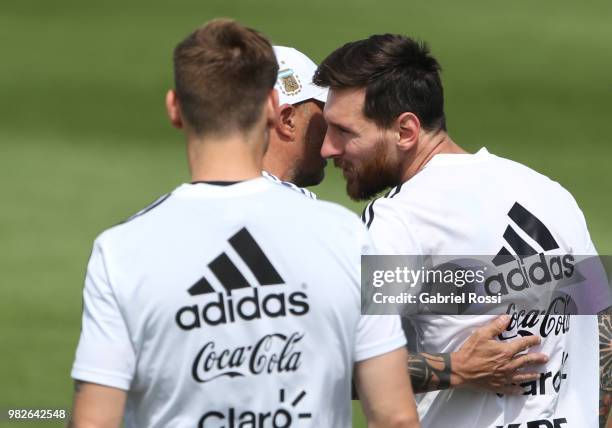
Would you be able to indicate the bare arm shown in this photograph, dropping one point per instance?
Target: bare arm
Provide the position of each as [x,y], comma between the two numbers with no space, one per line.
[481,363]
[605,365]
[97,406]
[385,392]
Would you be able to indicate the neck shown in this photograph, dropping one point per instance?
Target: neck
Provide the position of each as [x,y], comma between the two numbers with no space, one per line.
[275,166]
[229,158]
[429,146]
[277,160]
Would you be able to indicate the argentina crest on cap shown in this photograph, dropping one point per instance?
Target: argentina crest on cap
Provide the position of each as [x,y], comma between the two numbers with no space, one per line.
[289,82]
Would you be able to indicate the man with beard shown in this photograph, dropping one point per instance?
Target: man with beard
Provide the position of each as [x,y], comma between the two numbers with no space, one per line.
[386,128]
[294,157]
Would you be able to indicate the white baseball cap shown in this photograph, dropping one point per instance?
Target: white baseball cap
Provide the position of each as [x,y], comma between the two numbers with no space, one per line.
[295,73]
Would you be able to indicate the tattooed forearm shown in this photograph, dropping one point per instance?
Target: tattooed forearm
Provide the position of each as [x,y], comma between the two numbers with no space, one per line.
[605,365]
[429,372]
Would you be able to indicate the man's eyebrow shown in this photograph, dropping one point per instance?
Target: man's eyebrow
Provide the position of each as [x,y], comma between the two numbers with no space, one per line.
[338,125]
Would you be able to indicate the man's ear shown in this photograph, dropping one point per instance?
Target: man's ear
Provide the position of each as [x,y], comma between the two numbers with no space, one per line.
[286,122]
[173,109]
[408,127]
[272,109]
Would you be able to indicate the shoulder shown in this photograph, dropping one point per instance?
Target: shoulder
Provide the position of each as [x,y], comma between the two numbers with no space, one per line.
[332,209]
[390,223]
[552,192]
[343,228]
[156,203]
[382,205]
[289,185]
[327,215]
[396,206]
[326,220]
[134,221]
[506,169]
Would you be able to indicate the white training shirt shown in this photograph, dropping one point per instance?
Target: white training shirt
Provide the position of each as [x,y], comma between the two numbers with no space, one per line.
[231,306]
[459,204]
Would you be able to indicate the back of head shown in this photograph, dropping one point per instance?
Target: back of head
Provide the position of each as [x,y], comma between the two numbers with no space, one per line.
[223,73]
[398,73]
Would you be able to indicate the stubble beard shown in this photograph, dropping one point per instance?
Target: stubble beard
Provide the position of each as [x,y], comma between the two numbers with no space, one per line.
[372,176]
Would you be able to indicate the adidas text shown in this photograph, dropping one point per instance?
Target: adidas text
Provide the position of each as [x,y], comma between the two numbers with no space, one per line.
[526,275]
[227,308]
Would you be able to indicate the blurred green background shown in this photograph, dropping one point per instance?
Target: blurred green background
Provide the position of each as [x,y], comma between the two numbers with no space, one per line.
[85,142]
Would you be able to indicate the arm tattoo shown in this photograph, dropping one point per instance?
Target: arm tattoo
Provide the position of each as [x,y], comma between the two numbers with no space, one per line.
[605,365]
[429,372]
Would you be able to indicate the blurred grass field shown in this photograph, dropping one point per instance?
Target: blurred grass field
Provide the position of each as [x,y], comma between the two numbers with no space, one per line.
[85,143]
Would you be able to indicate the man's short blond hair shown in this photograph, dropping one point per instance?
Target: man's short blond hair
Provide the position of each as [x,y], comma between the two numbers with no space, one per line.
[223,73]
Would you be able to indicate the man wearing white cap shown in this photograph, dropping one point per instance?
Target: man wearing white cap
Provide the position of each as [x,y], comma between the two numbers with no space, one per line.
[293,157]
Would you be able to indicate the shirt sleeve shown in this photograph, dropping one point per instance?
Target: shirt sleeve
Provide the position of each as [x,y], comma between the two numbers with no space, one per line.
[588,248]
[105,354]
[376,334]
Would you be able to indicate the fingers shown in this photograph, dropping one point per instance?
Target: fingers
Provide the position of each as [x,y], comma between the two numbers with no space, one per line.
[531,359]
[524,343]
[522,377]
[496,327]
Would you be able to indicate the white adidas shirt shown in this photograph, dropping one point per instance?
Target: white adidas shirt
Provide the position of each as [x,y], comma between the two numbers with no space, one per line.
[463,204]
[231,306]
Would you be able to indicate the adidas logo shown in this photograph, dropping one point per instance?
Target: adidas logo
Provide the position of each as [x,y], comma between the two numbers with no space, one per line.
[529,270]
[250,304]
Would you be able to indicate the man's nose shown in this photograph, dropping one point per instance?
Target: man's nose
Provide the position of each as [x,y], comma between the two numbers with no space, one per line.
[329,148]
